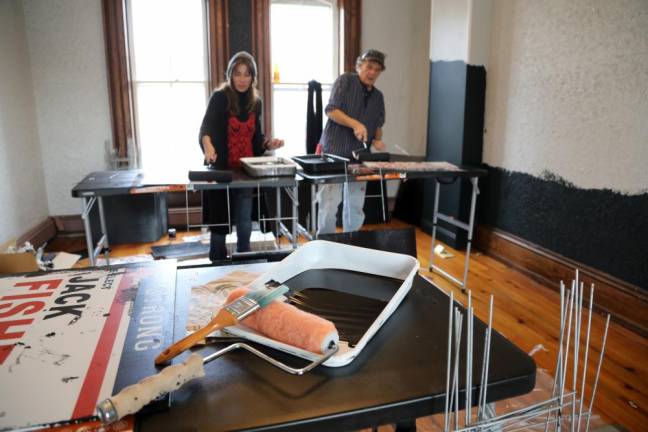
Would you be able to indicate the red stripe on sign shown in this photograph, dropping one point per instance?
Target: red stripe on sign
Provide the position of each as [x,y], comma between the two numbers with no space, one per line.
[5,350]
[87,400]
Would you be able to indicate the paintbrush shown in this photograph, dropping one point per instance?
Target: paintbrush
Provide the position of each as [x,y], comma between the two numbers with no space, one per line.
[229,315]
[356,153]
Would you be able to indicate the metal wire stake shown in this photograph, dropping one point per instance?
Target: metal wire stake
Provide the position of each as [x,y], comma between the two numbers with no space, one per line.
[455,380]
[587,340]
[490,336]
[563,367]
[446,422]
[518,415]
[486,362]
[558,372]
[468,358]
[598,372]
[577,329]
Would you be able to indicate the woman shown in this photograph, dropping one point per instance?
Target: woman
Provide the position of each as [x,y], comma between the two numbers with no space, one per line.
[230,130]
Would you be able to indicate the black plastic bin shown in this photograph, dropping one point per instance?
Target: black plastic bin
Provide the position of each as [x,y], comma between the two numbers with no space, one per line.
[137,218]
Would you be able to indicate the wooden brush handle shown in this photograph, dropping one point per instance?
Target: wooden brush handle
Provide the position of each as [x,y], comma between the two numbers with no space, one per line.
[222,320]
[132,398]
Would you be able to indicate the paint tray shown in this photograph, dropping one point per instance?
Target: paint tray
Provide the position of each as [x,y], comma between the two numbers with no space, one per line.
[322,164]
[268,166]
[362,286]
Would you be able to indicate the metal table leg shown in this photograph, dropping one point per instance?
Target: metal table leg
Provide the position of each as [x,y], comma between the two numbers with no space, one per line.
[88,203]
[435,214]
[85,215]
[383,206]
[295,215]
[313,214]
[187,206]
[104,231]
[469,227]
[278,203]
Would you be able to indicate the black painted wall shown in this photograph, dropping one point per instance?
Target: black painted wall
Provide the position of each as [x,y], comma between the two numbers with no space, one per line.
[455,134]
[602,229]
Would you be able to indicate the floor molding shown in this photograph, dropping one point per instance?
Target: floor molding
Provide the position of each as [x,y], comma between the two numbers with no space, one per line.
[626,303]
[39,234]
[177,217]
[69,224]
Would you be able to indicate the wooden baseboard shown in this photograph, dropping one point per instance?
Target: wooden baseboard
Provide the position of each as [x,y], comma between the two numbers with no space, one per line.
[69,224]
[41,233]
[178,216]
[626,303]
[73,224]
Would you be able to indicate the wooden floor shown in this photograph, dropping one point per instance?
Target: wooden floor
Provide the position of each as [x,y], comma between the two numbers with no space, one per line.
[527,313]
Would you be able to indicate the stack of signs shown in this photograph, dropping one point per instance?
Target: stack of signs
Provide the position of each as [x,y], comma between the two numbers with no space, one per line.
[70,339]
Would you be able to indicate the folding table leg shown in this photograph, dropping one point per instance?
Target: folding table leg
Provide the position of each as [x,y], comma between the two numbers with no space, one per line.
[85,215]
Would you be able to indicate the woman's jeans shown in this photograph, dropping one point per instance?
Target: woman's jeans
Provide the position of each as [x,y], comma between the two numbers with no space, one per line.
[329,197]
[240,201]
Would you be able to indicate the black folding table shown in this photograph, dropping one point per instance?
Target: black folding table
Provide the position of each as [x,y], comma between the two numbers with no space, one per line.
[399,376]
[98,184]
[470,173]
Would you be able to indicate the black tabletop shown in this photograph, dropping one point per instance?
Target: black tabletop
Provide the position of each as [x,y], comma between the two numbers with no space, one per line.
[464,171]
[399,375]
[104,183]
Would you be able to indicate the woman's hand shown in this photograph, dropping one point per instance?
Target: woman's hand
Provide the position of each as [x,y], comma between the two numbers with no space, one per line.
[210,152]
[274,144]
[378,144]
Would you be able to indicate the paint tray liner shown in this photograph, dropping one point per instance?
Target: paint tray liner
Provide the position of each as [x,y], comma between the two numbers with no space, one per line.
[320,269]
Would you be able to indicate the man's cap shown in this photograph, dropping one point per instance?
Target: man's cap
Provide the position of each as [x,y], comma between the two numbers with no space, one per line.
[374,56]
[241,56]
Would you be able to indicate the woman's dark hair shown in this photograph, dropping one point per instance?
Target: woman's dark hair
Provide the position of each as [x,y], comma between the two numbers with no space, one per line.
[252,94]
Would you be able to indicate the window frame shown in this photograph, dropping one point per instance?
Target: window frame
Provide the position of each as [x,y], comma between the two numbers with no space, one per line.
[117,56]
[133,82]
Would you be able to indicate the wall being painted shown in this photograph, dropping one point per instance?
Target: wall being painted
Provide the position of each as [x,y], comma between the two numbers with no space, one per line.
[567,91]
[396,28]
[68,67]
[23,202]
[566,130]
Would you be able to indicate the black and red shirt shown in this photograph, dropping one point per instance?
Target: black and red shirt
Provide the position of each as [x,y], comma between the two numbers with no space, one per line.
[233,136]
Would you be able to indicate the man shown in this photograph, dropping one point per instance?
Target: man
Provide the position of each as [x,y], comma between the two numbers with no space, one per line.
[356,114]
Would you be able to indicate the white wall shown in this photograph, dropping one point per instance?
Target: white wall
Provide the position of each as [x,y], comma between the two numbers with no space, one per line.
[68,66]
[567,91]
[400,29]
[449,30]
[23,202]
[460,31]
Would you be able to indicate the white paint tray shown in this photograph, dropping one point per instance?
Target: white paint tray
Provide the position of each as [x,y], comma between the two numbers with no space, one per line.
[320,254]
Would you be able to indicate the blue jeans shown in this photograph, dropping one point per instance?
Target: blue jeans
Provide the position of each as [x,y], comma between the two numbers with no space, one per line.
[241,213]
[329,198]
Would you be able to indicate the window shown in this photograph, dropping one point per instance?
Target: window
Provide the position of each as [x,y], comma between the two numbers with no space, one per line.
[169,80]
[303,48]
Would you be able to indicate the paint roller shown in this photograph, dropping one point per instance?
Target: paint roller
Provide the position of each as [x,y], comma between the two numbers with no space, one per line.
[278,320]
[285,323]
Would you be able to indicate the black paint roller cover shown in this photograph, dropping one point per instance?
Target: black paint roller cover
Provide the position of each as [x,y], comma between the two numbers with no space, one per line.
[221,176]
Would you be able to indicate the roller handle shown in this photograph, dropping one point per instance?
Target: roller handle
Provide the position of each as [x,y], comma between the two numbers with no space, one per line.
[132,398]
[222,320]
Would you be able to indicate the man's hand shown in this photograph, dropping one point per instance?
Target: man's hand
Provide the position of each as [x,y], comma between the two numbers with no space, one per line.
[360,131]
[210,152]
[378,144]
[273,144]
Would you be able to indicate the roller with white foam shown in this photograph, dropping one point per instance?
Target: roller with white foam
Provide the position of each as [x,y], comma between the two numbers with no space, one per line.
[285,323]
[132,398]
